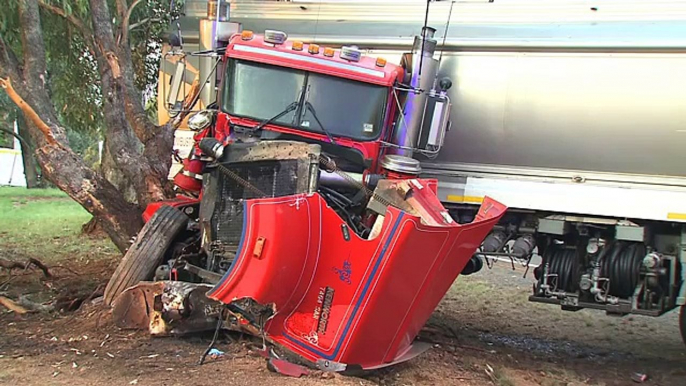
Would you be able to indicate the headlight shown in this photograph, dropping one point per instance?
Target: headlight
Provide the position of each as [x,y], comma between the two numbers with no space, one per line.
[200,120]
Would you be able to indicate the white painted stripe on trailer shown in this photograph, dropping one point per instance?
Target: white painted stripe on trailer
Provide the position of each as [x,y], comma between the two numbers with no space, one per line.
[627,201]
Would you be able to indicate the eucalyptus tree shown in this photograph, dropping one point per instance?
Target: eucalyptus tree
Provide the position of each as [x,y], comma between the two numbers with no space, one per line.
[83,66]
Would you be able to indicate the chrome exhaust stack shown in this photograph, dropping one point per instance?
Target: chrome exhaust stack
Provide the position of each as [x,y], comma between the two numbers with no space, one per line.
[421,69]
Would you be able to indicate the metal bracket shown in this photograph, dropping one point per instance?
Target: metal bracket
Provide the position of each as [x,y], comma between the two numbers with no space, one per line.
[326,365]
[681,299]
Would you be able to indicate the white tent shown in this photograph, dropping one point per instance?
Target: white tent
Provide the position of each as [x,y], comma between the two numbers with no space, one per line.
[11,164]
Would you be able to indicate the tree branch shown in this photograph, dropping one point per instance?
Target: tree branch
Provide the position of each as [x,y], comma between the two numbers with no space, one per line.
[32,43]
[12,305]
[32,87]
[124,37]
[121,8]
[9,265]
[28,111]
[21,139]
[144,22]
[142,126]
[74,21]
[69,17]
[9,64]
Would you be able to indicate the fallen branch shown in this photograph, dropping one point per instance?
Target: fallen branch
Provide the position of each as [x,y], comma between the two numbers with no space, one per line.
[74,272]
[12,305]
[33,306]
[28,111]
[10,265]
[99,291]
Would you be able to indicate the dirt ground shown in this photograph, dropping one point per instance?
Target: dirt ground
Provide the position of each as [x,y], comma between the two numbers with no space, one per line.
[483,323]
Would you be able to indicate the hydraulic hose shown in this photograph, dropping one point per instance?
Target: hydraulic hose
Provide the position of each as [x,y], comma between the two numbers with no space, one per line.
[622,267]
[563,263]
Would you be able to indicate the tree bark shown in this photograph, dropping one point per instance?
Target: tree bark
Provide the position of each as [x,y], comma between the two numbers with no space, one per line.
[120,219]
[110,170]
[30,166]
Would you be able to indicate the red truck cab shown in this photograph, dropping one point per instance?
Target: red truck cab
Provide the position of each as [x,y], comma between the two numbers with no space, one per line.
[352,95]
[341,272]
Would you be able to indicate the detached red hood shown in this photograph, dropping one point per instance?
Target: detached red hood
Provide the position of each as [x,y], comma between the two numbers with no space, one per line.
[340,300]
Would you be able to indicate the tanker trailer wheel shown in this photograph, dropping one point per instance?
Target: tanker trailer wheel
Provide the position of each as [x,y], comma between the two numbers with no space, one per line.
[147,252]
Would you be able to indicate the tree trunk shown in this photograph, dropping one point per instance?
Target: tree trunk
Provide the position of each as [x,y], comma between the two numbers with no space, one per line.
[109,168]
[125,146]
[120,219]
[30,165]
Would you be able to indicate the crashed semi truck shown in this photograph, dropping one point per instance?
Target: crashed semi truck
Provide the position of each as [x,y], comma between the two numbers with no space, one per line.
[347,162]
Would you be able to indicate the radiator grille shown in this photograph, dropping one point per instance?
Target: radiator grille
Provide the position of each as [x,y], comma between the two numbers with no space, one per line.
[273,177]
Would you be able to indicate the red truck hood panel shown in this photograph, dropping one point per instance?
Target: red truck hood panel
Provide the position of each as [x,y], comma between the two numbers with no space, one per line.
[339,299]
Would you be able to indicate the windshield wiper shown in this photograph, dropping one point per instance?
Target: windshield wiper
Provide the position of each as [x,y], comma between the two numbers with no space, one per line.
[309,107]
[287,110]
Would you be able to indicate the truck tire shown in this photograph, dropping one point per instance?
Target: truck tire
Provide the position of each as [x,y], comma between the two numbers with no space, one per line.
[147,252]
[682,323]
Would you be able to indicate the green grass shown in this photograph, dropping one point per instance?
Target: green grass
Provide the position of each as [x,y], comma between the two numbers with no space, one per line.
[16,192]
[501,378]
[46,224]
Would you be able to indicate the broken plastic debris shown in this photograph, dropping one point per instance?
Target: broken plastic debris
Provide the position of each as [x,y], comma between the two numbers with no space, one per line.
[214,353]
[639,377]
[286,368]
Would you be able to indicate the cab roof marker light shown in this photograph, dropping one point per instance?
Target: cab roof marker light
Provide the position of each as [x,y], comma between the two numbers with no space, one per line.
[309,59]
[275,37]
[380,62]
[351,53]
[313,49]
[329,52]
[297,45]
[247,35]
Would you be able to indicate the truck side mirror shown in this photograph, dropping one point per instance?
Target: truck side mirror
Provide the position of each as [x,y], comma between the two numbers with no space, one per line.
[175,38]
[436,121]
[436,118]
[174,105]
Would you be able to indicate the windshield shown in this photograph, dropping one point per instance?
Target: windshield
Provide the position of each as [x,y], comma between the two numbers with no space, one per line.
[344,107]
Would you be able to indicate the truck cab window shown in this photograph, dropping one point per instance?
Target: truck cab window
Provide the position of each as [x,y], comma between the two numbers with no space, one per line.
[260,91]
[346,108]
